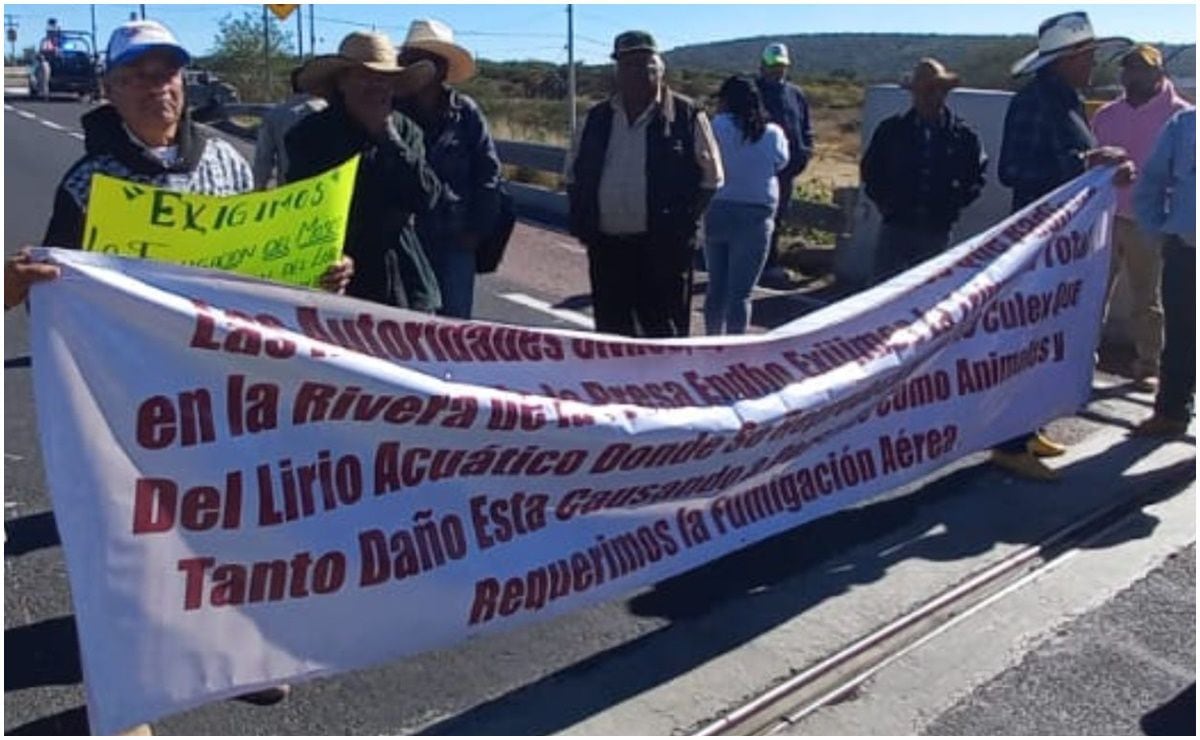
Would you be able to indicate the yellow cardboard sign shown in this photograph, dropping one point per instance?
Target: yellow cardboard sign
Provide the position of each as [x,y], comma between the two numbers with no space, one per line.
[291,234]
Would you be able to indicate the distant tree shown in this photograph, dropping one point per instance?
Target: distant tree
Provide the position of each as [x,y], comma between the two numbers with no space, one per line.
[238,56]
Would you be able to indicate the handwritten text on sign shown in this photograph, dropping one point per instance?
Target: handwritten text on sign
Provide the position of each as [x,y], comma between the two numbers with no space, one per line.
[290,234]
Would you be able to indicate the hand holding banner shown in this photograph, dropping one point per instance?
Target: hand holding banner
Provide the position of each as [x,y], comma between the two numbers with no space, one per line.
[291,234]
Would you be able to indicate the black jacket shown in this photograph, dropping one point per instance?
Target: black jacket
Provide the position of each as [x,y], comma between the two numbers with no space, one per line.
[675,202]
[205,165]
[891,170]
[394,185]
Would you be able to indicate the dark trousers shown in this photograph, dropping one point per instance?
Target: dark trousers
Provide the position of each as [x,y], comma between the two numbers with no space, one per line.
[901,247]
[641,287]
[1177,372]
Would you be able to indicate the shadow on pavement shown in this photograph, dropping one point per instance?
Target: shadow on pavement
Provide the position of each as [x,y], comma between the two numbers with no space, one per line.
[1176,717]
[42,654]
[28,533]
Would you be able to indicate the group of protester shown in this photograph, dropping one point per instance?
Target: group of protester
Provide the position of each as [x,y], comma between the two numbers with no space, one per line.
[647,168]
[924,167]
[647,174]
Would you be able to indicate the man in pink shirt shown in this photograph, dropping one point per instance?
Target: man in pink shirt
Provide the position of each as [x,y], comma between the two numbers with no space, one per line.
[1133,122]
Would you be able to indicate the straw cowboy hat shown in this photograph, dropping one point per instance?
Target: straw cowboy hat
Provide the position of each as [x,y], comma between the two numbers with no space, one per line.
[436,38]
[375,52]
[929,72]
[1063,35]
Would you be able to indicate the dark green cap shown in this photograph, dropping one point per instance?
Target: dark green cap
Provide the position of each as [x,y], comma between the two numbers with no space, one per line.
[631,41]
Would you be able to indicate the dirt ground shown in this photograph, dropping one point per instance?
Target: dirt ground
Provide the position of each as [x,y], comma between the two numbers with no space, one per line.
[835,163]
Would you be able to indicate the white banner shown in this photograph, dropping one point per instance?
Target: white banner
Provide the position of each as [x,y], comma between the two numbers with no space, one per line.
[258,484]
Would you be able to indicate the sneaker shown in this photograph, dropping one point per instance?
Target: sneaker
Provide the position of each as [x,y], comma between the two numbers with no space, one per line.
[1146,384]
[266,697]
[1024,465]
[1039,445]
[1160,426]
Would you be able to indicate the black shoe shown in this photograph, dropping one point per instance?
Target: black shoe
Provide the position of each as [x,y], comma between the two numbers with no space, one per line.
[266,697]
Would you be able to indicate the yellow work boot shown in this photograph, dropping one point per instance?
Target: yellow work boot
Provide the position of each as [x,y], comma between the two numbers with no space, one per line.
[1039,445]
[1024,465]
[1160,426]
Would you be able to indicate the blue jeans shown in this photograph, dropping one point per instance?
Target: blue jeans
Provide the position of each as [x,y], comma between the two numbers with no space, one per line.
[455,270]
[737,239]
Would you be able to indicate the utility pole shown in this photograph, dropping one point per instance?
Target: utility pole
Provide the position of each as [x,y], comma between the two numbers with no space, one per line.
[267,51]
[10,32]
[571,72]
[95,41]
[143,9]
[312,30]
[300,35]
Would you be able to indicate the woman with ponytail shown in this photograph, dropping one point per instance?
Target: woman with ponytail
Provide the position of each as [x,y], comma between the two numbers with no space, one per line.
[740,221]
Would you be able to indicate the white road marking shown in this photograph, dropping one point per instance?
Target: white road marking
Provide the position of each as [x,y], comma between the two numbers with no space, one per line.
[51,124]
[16,91]
[26,114]
[11,456]
[77,135]
[573,317]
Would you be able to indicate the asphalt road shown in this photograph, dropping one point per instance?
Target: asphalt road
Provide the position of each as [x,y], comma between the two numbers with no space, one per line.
[537,680]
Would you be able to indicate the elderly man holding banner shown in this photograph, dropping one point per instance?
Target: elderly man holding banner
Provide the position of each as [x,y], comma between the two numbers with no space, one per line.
[145,135]
[1047,143]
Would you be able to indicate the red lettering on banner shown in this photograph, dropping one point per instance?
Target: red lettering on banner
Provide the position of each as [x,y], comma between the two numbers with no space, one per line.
[499,520]
[902,451]
[160,421]
[244,333]
[426,341]
[428,545]
[321,402]
[238,584]
[574,573]
[668,394]
[289,491]
[625,456]
[156,501]
[978,375]
[251,409]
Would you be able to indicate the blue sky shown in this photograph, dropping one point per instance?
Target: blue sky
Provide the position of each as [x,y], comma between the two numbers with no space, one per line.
[512,31]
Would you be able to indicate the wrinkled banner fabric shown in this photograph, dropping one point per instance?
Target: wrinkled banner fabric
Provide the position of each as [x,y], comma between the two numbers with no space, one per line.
[256,483]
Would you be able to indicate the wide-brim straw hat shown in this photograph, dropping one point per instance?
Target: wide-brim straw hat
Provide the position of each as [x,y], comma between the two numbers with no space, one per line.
[930,72]
[437,38]
[1064,35]
[373,51]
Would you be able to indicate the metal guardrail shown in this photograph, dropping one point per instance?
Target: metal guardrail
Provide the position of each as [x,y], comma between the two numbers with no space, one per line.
[550,206]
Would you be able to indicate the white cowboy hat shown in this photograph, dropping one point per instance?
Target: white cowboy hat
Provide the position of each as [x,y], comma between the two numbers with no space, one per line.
[437,38]
[373,51]
[1061,36]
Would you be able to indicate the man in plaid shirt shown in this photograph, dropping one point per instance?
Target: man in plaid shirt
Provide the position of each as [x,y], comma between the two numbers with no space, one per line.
[1047,143]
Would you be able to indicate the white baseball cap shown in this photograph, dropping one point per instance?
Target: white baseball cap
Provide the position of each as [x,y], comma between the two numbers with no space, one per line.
[129,41]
